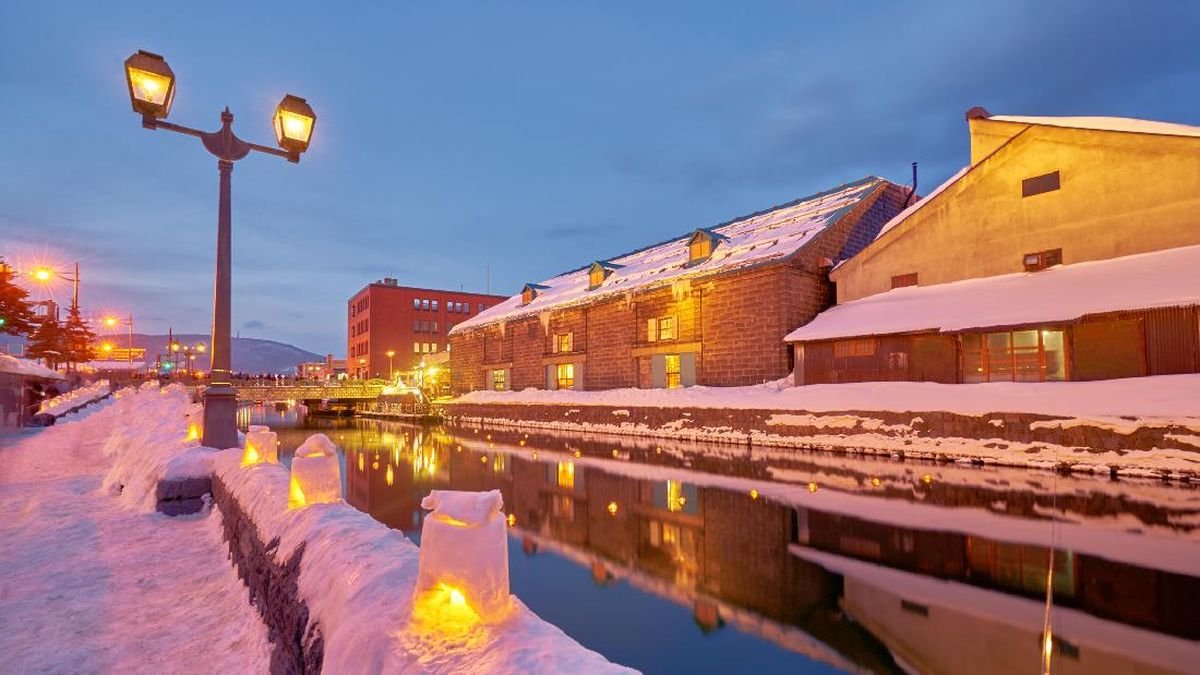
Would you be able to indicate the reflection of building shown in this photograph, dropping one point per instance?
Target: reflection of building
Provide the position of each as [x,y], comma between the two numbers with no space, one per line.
[784,566]
[411,322]
[709,308]
[1066,250]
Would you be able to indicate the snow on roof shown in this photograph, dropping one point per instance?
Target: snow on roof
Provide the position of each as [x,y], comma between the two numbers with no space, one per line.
[16,366]
[1126,124]
[759,238]
[1062,293]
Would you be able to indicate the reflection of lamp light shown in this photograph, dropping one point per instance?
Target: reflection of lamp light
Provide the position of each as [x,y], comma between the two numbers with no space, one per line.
[812,487]
[753,493]
[612,508]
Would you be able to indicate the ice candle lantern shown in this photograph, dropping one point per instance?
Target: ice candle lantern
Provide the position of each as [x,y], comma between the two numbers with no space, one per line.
[464,547]
[316,473]
[262,445]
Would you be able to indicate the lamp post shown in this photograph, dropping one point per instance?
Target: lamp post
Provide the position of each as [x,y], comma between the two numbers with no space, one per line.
[113,322]
[391,371]
[151,91]
[45,274]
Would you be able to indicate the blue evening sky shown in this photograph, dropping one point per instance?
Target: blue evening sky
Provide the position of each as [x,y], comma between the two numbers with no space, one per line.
[522,137]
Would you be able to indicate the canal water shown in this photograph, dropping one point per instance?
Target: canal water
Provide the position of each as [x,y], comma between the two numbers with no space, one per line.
[675,557]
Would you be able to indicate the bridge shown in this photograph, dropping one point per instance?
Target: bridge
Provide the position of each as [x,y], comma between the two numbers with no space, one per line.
[309,392]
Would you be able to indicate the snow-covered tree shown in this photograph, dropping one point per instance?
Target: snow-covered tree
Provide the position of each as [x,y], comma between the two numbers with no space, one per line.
[47,342]
[78,339]
[16,316]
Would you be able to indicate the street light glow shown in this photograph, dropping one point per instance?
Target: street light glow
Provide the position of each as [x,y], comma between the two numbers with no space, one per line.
[294,120]
[151,84]
[42,274]
[110,321]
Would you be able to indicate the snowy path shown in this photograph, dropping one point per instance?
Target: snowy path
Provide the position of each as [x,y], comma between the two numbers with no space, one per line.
[89,585]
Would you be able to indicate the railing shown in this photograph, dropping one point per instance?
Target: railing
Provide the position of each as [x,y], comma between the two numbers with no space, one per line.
[268,391]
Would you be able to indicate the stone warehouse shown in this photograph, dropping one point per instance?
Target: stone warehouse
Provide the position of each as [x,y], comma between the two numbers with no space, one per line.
[1067,250]
[711,307]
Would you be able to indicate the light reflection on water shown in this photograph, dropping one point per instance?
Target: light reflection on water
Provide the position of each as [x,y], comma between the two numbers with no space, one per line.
[677,557]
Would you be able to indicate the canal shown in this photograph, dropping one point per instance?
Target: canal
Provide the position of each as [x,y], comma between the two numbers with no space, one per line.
[677,557]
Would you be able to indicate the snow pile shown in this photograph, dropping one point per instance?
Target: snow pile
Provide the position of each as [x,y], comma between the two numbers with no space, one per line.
[1062,293]
[149,443]
[754,240]
[1126,124]
[16,366]
[358,578]
[88,585]
[1161,399]
[464,545]
[75,398]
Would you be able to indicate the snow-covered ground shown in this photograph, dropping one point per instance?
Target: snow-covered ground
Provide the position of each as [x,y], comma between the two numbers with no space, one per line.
[1163,399]
[90,582]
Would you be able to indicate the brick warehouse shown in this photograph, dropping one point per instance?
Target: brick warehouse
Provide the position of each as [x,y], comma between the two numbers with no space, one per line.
[1066,250]
[711,307]
[411,322]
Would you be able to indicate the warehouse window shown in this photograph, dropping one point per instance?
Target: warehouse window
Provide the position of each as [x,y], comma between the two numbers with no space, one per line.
[854,347]
[1047,182]
[902,280]
[564,342]
[1013,356]
[674,380]
[499,379]
[565,375]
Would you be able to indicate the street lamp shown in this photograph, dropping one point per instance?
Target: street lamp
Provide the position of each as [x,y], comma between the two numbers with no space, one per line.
[151,93]
[113,322]
[391,371]
[46,274]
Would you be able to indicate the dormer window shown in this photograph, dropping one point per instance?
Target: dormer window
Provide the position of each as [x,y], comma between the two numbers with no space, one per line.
[530,292]
[598,272]
[701,245]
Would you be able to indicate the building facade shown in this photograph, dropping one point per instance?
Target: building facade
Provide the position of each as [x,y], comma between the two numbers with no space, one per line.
[411,323]
[1066,250]
[710,308]
[327,369]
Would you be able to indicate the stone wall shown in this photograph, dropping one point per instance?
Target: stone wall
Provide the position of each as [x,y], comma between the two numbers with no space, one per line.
[917,434]
[297,644]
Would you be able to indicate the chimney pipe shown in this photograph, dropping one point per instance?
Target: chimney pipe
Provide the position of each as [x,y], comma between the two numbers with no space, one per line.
[912,192]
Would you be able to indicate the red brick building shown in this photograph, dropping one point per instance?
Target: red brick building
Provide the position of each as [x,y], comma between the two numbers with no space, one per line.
[411,322]
[710,307]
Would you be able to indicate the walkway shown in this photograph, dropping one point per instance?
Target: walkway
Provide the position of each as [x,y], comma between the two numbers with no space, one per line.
[89,585]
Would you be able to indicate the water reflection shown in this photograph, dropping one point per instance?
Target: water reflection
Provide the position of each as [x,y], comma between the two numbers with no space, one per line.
[793,562]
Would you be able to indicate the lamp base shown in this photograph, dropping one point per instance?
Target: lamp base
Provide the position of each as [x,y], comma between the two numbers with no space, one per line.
[220,417]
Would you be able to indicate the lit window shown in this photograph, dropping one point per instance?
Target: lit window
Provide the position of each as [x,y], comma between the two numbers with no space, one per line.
[565,373]
[563,342]
[673,377]
[700,246]
[1013,356]
[433,347]
[416,347]
[565,475]
[666,328]
[499,380]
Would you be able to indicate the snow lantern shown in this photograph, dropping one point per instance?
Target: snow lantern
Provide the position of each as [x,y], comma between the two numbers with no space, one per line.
[464,551]
[262,445]
[316,474]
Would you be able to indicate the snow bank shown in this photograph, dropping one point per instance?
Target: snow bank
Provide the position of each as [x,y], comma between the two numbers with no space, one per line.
[1163,399]
[150,444]
[358,578]
[61,405]
[1062,293]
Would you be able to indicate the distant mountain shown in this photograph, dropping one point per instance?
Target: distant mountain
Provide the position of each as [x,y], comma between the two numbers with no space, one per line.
[250,355]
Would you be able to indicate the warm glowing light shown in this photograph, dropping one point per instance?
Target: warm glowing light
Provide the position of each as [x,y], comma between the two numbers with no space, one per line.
[449,520]
[251,455]
[443,612]
[615,453]
[753,494]
[390,353]
[295,495]
[489,437]
[675,499]
[193,431]
[483,459]
[362,466]
[534,455]
[875,482]
[658,451]
[566,475]
[457,598]
[294,121]
[812,487]
[927,479]
[42,274]
[390,476]
[110,321]
[521,442]
[148,86]
[511,520]
[578,453]
[612,508]
[106,348]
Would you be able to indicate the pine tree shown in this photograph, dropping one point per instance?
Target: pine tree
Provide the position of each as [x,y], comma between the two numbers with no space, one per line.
[16,316]
[47,342]
[78,339]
